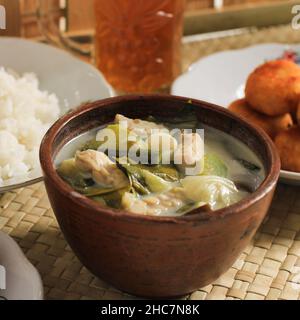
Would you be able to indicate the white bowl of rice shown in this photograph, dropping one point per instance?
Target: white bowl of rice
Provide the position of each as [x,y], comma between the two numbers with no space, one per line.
[38,83]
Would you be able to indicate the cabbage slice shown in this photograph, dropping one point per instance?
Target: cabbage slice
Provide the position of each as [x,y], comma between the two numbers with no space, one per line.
[217,192]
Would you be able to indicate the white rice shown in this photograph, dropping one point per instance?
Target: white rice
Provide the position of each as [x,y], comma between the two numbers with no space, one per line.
[26,113]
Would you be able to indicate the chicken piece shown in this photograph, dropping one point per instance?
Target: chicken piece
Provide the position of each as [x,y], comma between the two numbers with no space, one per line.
[103,170]
[288,146]
[271,125]
[274,88]
[140,127]
[189,156]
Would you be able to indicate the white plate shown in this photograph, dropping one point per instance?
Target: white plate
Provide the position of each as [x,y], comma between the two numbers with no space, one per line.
[72,80]
[19,280]
[220,79]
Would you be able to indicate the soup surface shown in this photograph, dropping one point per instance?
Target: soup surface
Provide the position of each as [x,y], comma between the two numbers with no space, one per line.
[160,167]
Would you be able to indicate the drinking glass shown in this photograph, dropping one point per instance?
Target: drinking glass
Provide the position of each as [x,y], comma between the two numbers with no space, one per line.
[137,43]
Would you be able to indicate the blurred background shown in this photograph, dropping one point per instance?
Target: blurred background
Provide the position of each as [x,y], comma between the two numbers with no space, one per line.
[76,16]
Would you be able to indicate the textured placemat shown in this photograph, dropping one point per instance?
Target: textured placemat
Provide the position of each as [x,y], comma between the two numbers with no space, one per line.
[268,269]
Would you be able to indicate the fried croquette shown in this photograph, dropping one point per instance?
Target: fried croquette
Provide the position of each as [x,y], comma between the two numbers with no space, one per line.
[274,88]
[271,125]
[288,146]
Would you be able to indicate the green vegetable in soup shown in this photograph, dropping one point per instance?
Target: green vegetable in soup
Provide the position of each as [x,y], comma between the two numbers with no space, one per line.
[112,199]
[146,179]
[95,191]
[138,184]
[136,178]
[70,173]
[91,145]
[81,182]
[158,189]
[214,166]
[216,191]
[114,137]
[248,165]
[166,172]
[155,183]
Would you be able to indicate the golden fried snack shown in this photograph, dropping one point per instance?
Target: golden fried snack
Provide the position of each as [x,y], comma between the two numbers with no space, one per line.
[288,146]
[274,88]
[271,125]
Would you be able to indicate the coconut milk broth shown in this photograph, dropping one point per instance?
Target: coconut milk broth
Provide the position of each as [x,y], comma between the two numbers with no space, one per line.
[228,148]
[233,152]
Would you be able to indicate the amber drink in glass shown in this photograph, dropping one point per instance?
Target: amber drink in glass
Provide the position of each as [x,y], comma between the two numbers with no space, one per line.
[138,43]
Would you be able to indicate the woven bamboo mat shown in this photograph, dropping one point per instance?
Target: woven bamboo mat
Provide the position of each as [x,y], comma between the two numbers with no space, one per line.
[268,269]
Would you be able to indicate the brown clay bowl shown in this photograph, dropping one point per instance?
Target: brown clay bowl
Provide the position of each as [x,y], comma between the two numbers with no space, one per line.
[151,256]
